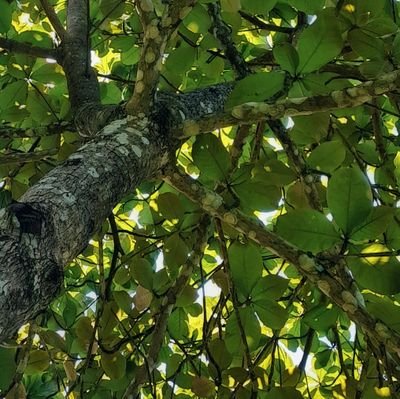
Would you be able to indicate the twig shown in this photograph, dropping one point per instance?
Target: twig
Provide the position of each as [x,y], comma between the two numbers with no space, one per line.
[14,46]
[52,16]
[165,310]
[236,304]
[263,25]
[343,293]
[23,157]
[223,33]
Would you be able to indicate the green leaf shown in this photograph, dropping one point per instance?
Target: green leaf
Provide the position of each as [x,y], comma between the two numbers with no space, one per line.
[376,273]
[12,94]
[309,129]
[393,233]
[380,27]
[258,6]
[246,266]
[230,5]
[257,192]
[272,314]
[374,225]
[113,364]
[142,272]
[198,20]
[321,317]
[327,156]
[7,367]
[283,393]
[211,157]
[319,44]
[251,327]
[307,229]
[170,206]
[178,324]
[38,362]
[286,56]
[5,16]
[349,198]
[220,353]
[384,310]
[366,45]
[175,252]
[275,173]
[308,6]
[271,287]
[257,87]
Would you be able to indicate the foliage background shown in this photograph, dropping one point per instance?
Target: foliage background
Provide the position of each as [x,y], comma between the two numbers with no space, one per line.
[232,327]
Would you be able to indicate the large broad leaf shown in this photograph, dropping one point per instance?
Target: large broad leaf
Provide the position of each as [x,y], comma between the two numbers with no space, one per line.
[286,56]
[308,6]
[5,16]
[258,6]
[114,365]
[12,94]
[319,44]
[384,309]
[251,327]
[283,393]
[270,313]
[258,195]
[349,198]
[374,225]
[271,287]
[321,317]
[366,45]
[308,229]
[376,273]
[8,366]
[258,87]
[211,157]
[327,156]
[246,266]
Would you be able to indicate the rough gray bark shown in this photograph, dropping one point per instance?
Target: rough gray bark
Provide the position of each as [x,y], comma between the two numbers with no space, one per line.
[57,217]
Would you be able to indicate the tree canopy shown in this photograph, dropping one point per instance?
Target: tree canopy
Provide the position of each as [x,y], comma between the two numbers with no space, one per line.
[199,199]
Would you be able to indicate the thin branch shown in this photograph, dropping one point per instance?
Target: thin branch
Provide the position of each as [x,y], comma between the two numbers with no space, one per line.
[6,159]
[41,131]
[344,294]
[156,34]
[378,134]
[223,33]
[52,16]
[16,47]
[165,310]
[236,304]
[263,25]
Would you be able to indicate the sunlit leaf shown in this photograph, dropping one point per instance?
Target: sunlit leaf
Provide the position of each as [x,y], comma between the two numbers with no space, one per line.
[349,198]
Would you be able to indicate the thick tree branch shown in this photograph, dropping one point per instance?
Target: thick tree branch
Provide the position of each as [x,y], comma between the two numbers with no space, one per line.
[32,232]
[257,111]
[82,83]
[52,16]
[14,46]
[156,34]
